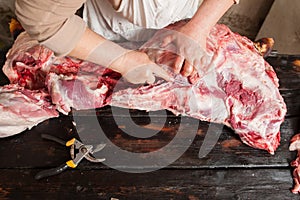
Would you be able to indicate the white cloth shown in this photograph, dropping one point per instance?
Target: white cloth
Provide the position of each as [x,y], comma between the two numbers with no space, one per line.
[135,20]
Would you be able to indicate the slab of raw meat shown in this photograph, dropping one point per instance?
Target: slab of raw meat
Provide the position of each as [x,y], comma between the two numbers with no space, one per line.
[295,146]
[21,109]
[238,88]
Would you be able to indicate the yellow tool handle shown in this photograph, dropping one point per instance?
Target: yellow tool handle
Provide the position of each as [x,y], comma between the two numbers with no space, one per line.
[70,142]
[71,164]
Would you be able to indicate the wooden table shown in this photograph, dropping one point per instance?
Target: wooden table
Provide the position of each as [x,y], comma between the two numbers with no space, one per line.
[231,170]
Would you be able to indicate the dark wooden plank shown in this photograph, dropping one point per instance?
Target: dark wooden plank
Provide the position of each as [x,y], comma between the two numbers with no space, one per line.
[289,80]
[228,152]
[163,184]
[19,150]
[287,72]
[28,149]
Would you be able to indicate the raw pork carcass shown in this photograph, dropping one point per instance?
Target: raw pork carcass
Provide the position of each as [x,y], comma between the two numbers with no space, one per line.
[238,88]
[21,109]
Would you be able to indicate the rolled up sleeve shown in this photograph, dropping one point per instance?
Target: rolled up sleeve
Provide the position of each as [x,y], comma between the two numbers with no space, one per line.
[52,22]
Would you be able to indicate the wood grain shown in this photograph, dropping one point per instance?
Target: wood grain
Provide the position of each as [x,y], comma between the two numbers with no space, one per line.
[163,184]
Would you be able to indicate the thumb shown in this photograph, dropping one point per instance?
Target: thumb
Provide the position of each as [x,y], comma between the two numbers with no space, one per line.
[150,78]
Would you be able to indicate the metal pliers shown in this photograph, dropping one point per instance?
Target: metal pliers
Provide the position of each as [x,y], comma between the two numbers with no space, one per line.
[84,151]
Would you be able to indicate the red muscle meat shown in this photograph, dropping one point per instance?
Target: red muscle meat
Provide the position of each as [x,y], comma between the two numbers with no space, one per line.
[237,88]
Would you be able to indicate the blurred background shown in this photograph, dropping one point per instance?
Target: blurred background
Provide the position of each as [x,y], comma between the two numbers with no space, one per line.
[278,19]
[6,13]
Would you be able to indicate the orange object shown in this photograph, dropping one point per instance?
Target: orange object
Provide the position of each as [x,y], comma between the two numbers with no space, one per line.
[15,28]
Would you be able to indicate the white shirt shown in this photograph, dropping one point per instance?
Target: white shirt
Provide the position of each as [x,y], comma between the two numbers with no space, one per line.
[136,20]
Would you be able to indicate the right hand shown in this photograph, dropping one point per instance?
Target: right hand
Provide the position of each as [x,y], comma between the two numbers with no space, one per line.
[190,48]
[137,68]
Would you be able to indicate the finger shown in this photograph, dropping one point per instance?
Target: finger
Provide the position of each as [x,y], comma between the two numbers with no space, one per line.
[150,79]
[158,71]
[137,75]
[194,72]
[133,79]
[194,77]
[179,62]
[187,69]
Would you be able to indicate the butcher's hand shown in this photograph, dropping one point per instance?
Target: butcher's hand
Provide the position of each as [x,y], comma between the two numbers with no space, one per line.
[190,47]
[137,68]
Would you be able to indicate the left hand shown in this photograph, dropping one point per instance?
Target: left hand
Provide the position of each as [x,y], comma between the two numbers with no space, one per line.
[190,47]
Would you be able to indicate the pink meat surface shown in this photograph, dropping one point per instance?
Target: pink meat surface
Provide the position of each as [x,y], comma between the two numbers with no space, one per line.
[295,146]
[238,88]
[21,109]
